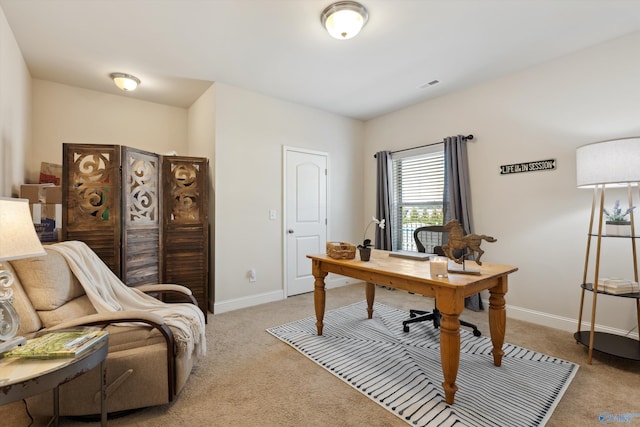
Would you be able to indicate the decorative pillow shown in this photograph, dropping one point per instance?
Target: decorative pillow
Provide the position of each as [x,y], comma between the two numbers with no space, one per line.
[72,310]
[47,280]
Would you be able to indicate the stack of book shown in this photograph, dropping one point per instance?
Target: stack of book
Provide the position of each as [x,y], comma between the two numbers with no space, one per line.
[58,344]
[617,286]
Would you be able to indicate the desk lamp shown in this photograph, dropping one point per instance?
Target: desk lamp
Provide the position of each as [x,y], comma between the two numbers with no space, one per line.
[18,239]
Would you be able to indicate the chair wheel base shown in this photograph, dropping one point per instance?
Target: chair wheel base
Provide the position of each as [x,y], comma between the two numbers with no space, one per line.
[434,316]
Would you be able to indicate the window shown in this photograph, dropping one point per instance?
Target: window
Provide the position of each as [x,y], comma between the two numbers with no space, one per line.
[418,184]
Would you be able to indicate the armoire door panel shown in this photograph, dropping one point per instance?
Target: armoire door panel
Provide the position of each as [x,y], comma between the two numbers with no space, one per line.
[91,199]
[142,210]
[186,224]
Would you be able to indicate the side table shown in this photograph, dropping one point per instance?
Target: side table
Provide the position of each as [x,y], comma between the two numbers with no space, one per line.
[21,378]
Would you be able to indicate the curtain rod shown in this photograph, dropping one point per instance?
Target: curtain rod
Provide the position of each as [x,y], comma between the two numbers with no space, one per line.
[466,138]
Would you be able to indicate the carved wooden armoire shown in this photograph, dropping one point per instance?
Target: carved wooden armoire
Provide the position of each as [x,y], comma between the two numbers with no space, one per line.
[145,215]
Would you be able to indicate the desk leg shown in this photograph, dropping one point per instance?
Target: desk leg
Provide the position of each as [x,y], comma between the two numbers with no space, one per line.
[498,318]
[371,295]
[318,294]
[450,353]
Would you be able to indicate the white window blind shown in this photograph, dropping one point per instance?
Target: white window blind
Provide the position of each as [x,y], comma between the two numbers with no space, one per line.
[418,184]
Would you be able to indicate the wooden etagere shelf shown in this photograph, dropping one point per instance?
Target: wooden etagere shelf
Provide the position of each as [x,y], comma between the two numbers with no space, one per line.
[616,345]
[613,344]
[614,236]
[589,287]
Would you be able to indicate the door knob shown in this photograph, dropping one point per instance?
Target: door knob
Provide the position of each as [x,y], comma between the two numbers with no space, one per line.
[290,231]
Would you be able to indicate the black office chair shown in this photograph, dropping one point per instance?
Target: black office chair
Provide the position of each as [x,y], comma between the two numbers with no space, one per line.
[430,239]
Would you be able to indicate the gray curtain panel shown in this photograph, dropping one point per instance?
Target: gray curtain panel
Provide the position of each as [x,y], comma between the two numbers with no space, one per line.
[457,194]
[383,199]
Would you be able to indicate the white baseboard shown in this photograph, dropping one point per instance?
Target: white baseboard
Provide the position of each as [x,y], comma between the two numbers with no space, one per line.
[253,300]
[557,322]
[337,281]
[514,312]
[249,301]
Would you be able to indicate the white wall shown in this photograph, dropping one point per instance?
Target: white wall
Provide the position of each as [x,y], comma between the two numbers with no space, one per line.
[15,117]
[202,143]
[242,133]
[70,114]
[251,130]
[539,218]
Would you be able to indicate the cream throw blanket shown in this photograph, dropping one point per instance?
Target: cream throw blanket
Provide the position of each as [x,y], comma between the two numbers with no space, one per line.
[107,293]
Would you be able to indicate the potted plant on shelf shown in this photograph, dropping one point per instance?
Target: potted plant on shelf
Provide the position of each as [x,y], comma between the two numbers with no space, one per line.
[365,247]
[617,223]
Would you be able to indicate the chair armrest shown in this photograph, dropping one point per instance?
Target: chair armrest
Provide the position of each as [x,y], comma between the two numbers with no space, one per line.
[134,316]
[165,288]
[113,317]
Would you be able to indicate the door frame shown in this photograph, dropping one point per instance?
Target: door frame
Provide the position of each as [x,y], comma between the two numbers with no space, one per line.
[285,150]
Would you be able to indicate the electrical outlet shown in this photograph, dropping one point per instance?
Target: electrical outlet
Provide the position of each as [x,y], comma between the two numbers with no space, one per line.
[251,274]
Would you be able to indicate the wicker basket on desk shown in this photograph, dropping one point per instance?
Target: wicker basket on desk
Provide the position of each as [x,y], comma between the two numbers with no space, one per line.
[341,250]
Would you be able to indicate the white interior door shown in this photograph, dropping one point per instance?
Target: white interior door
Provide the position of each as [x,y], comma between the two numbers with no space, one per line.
[306,216]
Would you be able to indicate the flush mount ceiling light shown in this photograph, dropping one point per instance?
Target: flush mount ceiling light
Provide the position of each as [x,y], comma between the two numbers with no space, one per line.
[125,82]
[344,19]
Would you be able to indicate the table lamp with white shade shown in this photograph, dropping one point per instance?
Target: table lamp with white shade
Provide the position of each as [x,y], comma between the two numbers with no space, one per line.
[18,239]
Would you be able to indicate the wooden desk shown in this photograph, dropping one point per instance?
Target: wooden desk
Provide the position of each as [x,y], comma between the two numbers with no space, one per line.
[413,276]
[21,378]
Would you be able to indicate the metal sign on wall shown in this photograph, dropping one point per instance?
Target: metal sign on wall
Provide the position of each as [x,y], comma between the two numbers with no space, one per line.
[538,165]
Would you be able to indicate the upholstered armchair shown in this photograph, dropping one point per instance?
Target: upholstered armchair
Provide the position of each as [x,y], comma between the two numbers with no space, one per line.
[145,365]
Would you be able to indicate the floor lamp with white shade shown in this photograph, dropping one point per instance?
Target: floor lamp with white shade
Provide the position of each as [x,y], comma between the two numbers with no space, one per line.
[602,165]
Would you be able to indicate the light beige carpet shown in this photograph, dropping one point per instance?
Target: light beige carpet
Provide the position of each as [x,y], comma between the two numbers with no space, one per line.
[249,378]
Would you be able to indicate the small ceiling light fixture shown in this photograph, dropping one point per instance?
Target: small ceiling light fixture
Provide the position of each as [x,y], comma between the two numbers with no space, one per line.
[126,82]
[344,19]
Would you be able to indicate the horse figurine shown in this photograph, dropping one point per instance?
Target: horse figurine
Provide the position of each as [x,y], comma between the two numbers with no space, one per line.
[459,241]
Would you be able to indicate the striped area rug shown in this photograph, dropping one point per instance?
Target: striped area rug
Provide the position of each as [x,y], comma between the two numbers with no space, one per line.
[402,371]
